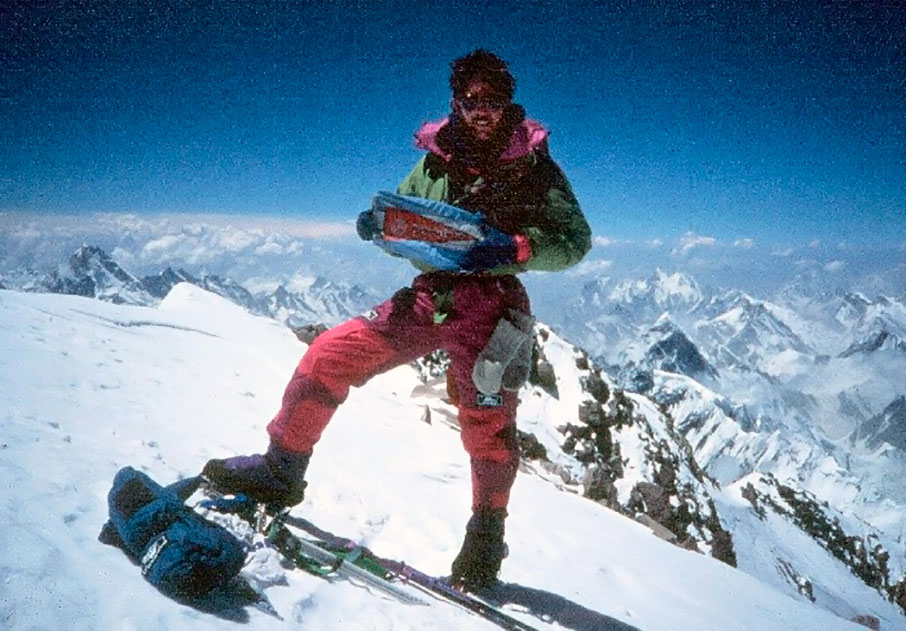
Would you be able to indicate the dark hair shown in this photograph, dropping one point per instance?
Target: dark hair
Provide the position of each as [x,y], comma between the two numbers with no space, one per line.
[485,66]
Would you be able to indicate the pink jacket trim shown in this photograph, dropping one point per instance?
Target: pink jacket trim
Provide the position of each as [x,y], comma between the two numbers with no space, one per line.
[527,138]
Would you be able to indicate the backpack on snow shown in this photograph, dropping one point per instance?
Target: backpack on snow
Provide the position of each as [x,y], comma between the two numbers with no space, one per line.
[180,553]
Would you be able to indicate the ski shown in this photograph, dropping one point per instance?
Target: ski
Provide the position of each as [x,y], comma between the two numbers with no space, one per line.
[311,557]
[307,555]
[327,556]
[432,585]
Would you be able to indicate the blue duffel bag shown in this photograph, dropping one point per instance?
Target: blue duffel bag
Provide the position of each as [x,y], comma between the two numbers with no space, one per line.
[180,553]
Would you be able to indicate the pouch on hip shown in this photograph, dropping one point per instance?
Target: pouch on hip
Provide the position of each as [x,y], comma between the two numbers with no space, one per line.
[506,360]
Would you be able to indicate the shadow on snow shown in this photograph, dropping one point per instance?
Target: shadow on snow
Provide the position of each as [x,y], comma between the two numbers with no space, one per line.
[553,608]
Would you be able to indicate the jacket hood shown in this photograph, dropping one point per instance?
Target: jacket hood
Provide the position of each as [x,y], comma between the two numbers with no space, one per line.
[528,136]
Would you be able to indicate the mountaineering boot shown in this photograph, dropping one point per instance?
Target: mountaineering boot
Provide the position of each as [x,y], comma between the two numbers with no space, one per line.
[275,477]
[478,562]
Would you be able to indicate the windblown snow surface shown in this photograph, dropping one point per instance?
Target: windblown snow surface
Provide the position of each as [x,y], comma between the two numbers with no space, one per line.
[89,387]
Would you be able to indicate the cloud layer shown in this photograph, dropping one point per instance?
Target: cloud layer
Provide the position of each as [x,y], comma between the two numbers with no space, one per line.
[262,247]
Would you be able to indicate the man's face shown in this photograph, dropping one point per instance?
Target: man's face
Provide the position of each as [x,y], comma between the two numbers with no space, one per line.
[481,109]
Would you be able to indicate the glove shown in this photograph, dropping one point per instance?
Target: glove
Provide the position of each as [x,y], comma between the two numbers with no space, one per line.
[366,227]
[403,301]
[500,249]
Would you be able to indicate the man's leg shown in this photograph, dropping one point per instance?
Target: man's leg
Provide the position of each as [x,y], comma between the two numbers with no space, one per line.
[488,424]
[345,356]
[489,436]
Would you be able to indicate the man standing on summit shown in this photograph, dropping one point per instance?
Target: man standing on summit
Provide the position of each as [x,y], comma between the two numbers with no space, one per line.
[485,157]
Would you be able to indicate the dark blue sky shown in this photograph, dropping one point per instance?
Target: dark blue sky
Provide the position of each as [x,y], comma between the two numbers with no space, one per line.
[777,121]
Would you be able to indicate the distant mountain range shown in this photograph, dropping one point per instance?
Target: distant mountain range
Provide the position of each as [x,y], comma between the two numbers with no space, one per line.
[801,395]
[827,357]
[92,273]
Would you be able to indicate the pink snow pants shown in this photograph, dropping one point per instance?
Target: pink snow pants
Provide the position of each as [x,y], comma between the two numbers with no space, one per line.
[401,330]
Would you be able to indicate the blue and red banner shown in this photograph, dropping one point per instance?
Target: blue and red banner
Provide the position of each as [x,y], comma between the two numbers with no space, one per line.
[427,231]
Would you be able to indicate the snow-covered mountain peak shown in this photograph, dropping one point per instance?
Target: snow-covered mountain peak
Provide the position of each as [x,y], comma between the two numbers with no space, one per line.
[90,272]
[89,258]
[660,292]
[671,350]
[159,285]
[880,340]
[595,293]
[885,314]
[852,308]
[750,333]
[888,427]
[188,298]
[664,324]
[678,285]
[319,301]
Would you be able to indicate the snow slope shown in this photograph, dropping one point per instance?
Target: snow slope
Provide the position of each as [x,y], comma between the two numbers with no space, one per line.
[89,387]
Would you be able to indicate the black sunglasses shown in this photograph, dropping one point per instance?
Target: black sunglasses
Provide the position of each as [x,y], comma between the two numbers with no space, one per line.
[472,103]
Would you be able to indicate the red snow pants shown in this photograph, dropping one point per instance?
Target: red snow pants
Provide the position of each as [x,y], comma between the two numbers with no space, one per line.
[401,330]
